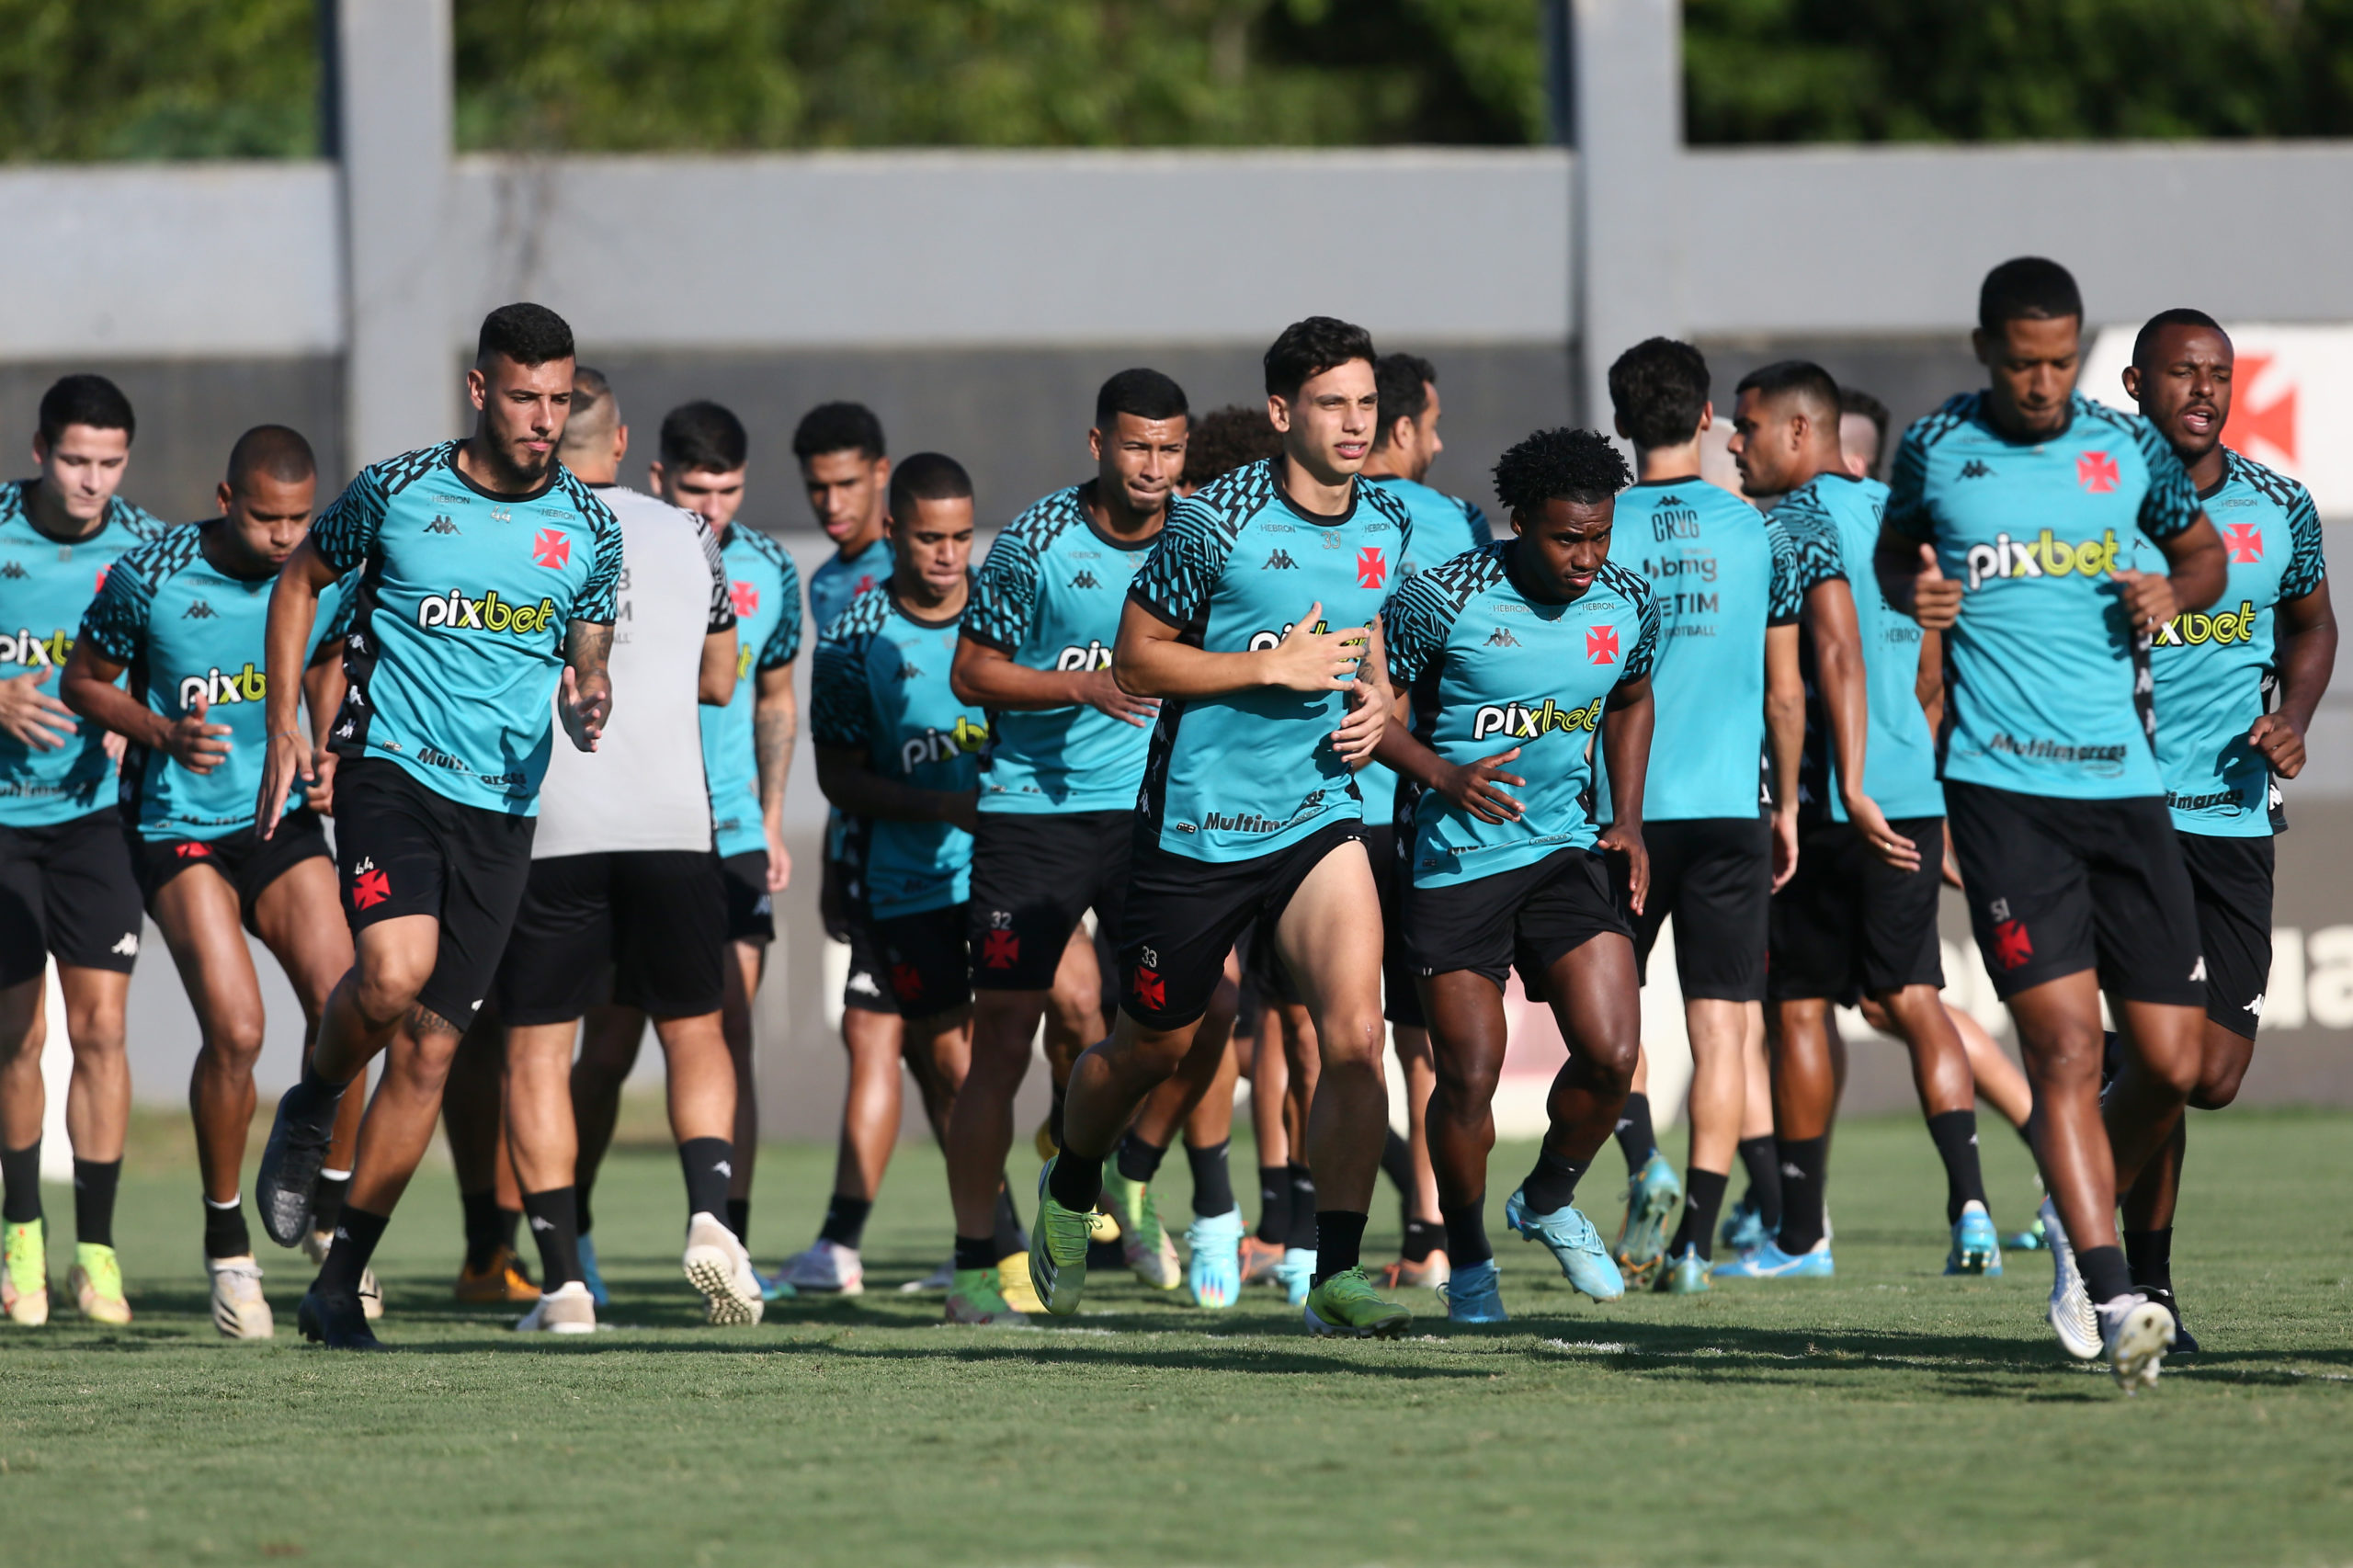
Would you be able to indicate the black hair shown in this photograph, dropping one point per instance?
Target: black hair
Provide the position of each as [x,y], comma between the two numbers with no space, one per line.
[273,449]
[1404,382]
[1308,348]
[1563,465]
[1659,388]
[839,427]
[525,333]
[1225,439]
[2180,315]
[1147,394]
[703,435]
[2027,288]
[1853,399]
[1802,377]
[927,476]
[590,387]
[84,400]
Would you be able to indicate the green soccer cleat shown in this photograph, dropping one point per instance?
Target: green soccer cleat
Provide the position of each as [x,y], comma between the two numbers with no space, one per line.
[96,1280]
[977,1298]
[1145,1243]
[24,1276]
[1057,1251]
[1346,1307]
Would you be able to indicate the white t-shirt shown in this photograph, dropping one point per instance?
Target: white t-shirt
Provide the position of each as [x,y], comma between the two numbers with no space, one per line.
[642,787]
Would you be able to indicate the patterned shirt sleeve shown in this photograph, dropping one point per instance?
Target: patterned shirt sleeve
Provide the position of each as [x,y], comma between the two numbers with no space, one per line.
[1812,539]
[1476,521]
[1785,595]
[594,602]
[1908,498]
[116,622]
[1639,663]
[839,712]
[2307,565]
[1005,592]
[721,617]
[1183,568]
[783,645]
[1414,625]
[346,532]
[2170,504]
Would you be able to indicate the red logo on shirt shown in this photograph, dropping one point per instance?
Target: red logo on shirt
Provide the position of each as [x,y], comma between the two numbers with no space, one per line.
[1601,645]
[1150,989]
[551,548]
[864,583]
[745,597]
[2012,945]
[999,948]
[371,888]
[1371,570]
[2097,472]
[2245,544]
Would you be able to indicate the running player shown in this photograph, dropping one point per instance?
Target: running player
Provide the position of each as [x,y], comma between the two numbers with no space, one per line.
[489,584]
[186,613]
[1057,806]
[1249,809]
[1860,918]
[1519,656]
[1726,673]
[2216,743]
[2012,527]
[67,886]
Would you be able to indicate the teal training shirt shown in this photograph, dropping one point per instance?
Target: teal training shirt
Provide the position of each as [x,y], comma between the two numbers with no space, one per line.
[46,587]
[1048,596]
[1444,525]
[2041,670]
[838,580]
[1235,776]
[456,647]
[765,589]
[2212,666]
[1489,668]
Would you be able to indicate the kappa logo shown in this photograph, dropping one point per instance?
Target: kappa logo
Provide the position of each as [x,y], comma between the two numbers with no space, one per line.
[2197,975]
[126,945]
[200,609]
[1280,561]
[1085,579]
[1972,469]
[744,598]
[1093,656]
[2255,1007]
[441,525]
[551,548]
[1500,637]
[1372,567]
[2097,472]
[2245,541]
[13,571]
[1601,645]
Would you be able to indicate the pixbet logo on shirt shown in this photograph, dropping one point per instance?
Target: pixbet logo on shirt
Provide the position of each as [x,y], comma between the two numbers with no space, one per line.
[217,686]
[1093,656]
[1262,641]
[2046,556]
[942,745]
[2193,629]
[456,612]
[29,647]
[1516,721]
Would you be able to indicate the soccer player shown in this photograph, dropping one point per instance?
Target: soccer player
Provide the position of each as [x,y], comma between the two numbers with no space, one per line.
[1518,660]
[2012,527]
[488,590]
[1225,439]
[186,613]
[2219,734]
[1726,675]
[67,887]
[1862,432]
[1859,917]
[1256,622]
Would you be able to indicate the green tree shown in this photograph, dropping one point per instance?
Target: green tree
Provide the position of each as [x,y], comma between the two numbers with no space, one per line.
[158,79]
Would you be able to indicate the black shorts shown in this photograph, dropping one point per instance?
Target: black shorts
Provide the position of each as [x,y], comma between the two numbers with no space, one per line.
[751,908]
[833,899]
[1183,915]
[654,919]
[2231,880]
[1034,875]
[68,888]
[402,849]
[925,967]
[247,861]
[1526,917]
[2059,886]
[1849,924]
[1715,876]
[1401,1002]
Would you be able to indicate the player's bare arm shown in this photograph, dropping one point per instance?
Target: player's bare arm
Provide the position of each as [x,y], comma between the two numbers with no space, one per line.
[849,782]
[989,677]
[1150,661]
[89,689]
[775,725]
[2307,656]
[1915,585]
[1366,714]
[588,684]
[1785,735]
[715,681]
[1475,786]
[1627,721]
[2197,569]
[1829,615]
[323,687]
[33,715]
[293,610]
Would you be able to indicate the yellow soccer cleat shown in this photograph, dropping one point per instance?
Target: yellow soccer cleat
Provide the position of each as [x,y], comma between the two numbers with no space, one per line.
[96,1280]
[24,1276]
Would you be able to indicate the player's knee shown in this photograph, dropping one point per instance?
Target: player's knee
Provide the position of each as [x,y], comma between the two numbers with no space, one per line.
[235,1044]
[1350,1045]
[383,992]
[1465,1089]
[1610,1064]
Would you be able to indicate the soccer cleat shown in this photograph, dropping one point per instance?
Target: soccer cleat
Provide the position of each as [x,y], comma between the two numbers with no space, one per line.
[2184,1342]
[1144,1244]
[24,1276]
[1260,1260]
[940,1278]
[239,1308]
[1743,1228]
[1347,1307]
[318,1244]
[776,1288]
[1767,1261]
[1057,1251]
[1013,1283]
[1102,1230]
[1296,1274]
[1651,1197]
[716,1264]
[96,1280]
[593,1278]
[501,1282]
[976,1298]
[2028,1240]
[827,1268]
[333,1319]
[1574,1244]
[1430,1274]
[1685,1274]
[291,1160]
[567,1309]
[1474,1294]
[2070,1305]
[1214,1269]
[1974,1249]
[2134,1334]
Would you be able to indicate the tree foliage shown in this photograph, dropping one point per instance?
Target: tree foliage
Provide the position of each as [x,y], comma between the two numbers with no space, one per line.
[158,79]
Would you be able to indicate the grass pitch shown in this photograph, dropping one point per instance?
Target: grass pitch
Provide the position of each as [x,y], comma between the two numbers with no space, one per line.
[1891,1415]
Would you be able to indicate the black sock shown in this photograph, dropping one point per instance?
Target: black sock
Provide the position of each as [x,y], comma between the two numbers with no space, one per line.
[1423,1237]
[225,1229]
[1303,1207]
[1397,1162]
[1764,1169]
[710,1166]
[580,1204]
[510,1222]
[2106,1275]
[977,1251]
[1274,1201]
[555,1225]
[2149,1254]
[1339,1241]
[1554,1183]
[355,1244]
[20,1172]
[739,1219]
[1703,1195]
[1213,1181]
[1007,1235]
[1466,1234]
[846,1220]
[1139,1161]
[326,1200]
[1054,1120]
[94,1187]
[482,1228]
[1077,1182]
[1955,1133]
[1806,1164]
[1636,1139]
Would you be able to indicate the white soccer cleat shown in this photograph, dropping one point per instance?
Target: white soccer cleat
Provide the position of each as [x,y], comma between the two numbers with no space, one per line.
[827,1268]
[2071,1304]
[940,1279]
[717,1264]
[571,1310]
[239,1308]
[2135,1334]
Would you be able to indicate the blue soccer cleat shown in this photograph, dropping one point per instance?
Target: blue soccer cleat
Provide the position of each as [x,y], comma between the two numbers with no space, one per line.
[1974,1248]
[1683,1274]
[1214,1270]
[1651,1198]
[1296,1274]
[1767,1261]
[1474,1294]
[589,1276]
[1573,1242]
[1743,1228]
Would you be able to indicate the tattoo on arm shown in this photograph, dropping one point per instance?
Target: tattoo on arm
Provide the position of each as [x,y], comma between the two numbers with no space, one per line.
[775,727]
[586,646]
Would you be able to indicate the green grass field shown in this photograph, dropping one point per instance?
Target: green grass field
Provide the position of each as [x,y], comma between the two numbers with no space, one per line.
[1891,1416]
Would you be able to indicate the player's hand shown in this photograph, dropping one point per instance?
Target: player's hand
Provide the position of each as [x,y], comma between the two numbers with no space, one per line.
[1785,847]
[1626,839]
[1360,726]
[586,709]
[2148,600]
[319,794]
[963,811]
[1471,786]
[1309,660]
[1936,598]
[196,745]
[288,757]
[1097,691]
[2274,735]
[115,744]
[1880,836]
[779,860]
[1952,860]
[33,715]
